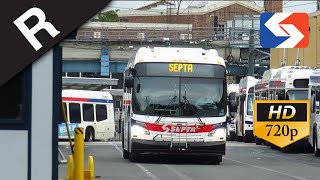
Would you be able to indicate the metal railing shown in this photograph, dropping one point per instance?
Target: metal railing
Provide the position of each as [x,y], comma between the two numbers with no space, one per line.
[236,36]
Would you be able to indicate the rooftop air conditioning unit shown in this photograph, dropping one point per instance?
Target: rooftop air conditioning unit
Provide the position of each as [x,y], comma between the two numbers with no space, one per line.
[185,36]
[140,36]
[96,35]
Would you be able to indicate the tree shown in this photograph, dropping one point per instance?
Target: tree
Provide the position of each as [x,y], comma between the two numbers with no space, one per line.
[108,16]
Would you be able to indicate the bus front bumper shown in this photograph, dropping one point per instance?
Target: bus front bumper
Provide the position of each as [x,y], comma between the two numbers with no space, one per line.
[193,148]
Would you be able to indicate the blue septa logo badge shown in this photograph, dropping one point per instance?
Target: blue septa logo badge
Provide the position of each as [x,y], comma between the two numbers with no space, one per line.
[284,30]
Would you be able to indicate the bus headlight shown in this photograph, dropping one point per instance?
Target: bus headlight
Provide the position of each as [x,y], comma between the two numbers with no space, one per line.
[138,130]
[221,132]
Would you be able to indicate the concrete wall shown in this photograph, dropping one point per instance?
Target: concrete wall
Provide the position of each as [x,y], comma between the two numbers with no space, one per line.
[308,56]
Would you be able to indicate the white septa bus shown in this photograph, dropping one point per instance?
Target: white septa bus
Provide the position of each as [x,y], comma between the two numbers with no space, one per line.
[244,117]
[91,110]
[261,91]
[291,83]
[175,102]
[233,95]
[314,96]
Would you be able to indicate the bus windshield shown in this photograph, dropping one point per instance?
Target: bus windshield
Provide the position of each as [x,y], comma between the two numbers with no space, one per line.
[179,96]
[250,104]
[297,94]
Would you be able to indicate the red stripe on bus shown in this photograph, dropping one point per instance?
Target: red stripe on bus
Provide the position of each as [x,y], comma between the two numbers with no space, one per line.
[75,99]
[181,128]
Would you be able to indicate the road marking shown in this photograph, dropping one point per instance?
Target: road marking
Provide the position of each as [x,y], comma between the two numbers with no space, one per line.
[267,169]
[182,176]
[273,154]
[145,170]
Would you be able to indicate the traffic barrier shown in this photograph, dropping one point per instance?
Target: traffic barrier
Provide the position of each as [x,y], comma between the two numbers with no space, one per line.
[75,167]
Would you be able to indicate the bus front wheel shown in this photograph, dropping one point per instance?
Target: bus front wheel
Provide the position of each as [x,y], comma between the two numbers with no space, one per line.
[133,157]
[315,145]
[89,136]
[216,160]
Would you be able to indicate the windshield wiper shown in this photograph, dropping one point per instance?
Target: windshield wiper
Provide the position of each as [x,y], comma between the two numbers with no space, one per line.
[194,111]
[172,100]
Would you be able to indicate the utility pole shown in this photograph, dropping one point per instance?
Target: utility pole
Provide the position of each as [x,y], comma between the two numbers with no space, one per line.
[251,54]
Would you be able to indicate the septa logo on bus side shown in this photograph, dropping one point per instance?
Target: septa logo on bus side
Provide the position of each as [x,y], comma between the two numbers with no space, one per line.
[166,128]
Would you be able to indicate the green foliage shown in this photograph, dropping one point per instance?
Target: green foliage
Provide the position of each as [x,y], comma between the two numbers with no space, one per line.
[108,16]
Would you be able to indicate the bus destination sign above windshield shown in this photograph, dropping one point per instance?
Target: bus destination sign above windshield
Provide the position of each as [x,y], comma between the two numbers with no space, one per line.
[180,67]
[281,122]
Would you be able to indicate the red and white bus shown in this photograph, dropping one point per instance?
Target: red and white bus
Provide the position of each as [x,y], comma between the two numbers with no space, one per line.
[175,102]
[91,110]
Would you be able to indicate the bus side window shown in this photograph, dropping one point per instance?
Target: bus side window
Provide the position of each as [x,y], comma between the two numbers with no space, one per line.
[128,112]
[317,98]
[75,113]
[101,112]
[88,113]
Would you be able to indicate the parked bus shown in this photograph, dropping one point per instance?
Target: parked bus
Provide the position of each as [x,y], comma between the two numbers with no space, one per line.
[261,91]
[314,96]
[244,116]
[291,83]
[176,103]
[91,110]
[233,95]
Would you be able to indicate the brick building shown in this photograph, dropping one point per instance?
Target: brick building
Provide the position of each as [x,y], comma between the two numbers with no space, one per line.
[214,15]
[160,19]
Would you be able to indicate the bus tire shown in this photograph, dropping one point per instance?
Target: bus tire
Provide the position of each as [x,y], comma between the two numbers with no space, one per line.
[125,154]
[273,146]
[89,135]
[246,138]
[239,138]
[232,136]
[133,157]
[258,141]
[216,160]
[315,144]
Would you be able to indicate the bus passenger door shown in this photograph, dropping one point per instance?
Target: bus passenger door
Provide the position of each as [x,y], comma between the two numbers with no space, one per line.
[104,126]
[241,114]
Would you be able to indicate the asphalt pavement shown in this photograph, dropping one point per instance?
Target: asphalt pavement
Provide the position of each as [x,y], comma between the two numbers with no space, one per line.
[243,161]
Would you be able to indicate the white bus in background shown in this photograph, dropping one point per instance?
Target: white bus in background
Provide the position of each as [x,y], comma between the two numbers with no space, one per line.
[233,94]
[291,83]
[314,96]
[261,91]
[91,110]
[176,103]
[244,116]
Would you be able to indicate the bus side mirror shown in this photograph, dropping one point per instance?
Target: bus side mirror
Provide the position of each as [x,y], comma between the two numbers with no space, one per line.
[228,119]
[128,77]
[138,88]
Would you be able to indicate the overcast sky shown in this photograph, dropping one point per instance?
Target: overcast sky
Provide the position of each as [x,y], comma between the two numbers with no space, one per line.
[307,6]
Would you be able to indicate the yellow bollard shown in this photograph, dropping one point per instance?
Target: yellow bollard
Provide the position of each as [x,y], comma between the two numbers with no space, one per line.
[70,168]
[91,167]
[89,173]
[78,173]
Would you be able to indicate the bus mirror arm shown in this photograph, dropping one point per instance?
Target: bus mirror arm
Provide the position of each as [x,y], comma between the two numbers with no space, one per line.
[132,71]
